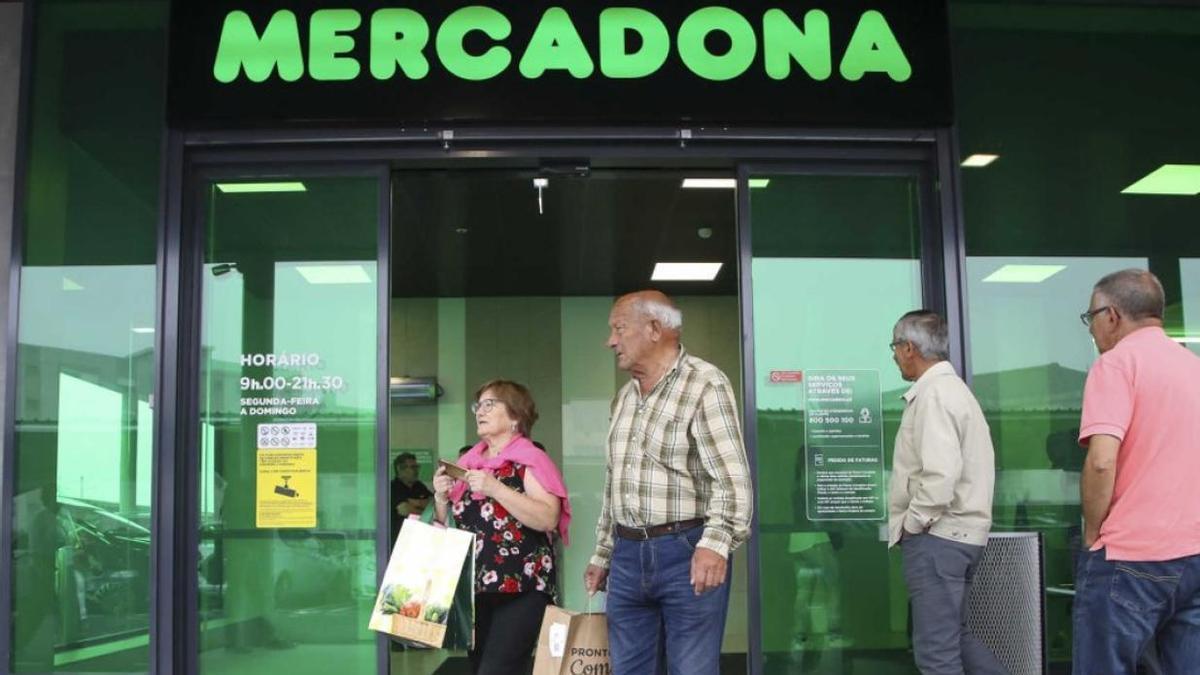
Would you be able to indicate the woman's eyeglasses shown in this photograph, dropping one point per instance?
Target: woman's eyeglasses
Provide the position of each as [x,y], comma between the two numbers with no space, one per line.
[485,405]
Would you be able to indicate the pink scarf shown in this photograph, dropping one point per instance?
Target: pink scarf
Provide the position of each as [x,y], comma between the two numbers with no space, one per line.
[522,451]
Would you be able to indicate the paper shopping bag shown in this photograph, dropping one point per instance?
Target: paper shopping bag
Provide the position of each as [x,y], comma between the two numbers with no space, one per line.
[572,642]
[418,586]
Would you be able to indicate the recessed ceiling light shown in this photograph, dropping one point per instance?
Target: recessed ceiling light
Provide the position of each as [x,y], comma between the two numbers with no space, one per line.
[334,274]
[979,160]
[233,188]
[1023,274]
[685,271]
[142,330]
[70,284]
[721,183]
[1168,179]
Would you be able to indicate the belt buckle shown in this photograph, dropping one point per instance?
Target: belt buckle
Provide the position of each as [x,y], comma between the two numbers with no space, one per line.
[644,531]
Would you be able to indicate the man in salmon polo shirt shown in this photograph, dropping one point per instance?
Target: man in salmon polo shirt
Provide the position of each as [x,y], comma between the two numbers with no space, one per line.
[1138,582]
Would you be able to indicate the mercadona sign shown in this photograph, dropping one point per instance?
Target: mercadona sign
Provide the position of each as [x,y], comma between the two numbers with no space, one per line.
[564,62]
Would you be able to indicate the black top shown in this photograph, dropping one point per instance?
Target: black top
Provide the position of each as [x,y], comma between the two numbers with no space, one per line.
[509,557]
[402,493]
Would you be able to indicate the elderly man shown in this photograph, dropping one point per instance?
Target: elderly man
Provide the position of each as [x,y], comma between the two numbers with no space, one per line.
[1138,582]
[940,499]
[677,497]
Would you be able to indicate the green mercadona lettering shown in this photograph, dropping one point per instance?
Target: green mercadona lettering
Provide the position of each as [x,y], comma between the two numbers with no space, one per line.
[400,40]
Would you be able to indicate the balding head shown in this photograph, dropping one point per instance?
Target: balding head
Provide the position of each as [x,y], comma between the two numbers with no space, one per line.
[1136,294]
[644,332]
[653,305]
[1122,303]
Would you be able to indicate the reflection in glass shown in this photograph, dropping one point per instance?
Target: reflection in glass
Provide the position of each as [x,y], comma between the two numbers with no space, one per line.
[835,265]
[82,497]
[288,307]
[1029,382]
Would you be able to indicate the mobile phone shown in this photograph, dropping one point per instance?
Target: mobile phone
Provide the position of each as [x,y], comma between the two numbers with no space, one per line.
[453,470]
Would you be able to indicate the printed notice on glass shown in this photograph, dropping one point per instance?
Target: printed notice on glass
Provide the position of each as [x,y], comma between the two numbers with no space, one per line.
[287,476]
[285,385]
[843,445]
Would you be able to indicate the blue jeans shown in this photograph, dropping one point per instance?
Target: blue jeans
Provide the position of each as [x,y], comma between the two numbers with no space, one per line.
[1122,609]
[653,610]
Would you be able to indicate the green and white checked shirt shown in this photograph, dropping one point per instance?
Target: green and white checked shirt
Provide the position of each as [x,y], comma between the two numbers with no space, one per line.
[677,454]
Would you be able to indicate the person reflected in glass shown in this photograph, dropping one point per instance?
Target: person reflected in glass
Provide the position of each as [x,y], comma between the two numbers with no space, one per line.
[515,502]
[409,495]
[940,498]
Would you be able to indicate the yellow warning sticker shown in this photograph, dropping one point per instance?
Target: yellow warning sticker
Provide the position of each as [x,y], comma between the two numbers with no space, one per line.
[287,478]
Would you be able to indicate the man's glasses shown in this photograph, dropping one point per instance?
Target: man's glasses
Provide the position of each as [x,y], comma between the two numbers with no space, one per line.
[485,405]
[1088,317]
[896,343]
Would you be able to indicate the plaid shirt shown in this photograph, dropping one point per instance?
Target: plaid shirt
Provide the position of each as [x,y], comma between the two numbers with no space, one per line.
[677,454]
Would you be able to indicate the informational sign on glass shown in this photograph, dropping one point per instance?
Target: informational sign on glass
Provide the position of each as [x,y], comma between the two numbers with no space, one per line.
[843,445]
[287,476]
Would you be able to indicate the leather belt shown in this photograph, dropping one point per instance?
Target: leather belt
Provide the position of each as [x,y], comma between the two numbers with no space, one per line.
[644,533]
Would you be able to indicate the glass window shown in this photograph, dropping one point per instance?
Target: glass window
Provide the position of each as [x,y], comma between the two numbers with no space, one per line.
[85,355]
[836,261]
[1075,193]
[287,433]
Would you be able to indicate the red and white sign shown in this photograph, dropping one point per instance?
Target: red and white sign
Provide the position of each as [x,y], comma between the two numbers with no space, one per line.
[779,376]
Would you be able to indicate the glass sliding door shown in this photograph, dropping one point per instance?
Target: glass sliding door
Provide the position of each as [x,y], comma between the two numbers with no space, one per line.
[286,427]
[834,261]
[491,279]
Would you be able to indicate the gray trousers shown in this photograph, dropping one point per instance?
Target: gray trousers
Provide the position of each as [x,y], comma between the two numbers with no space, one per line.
[939,573]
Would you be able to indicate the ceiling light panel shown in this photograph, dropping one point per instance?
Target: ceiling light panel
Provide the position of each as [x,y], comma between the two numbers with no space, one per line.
[334,274]
[1023,274]
[677,271]
[1168,179]
[235,188]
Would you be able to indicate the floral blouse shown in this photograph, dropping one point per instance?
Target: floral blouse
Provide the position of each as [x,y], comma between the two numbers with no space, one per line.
[509,557]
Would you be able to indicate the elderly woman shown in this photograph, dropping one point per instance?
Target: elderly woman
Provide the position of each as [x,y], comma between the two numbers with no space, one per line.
[514,500]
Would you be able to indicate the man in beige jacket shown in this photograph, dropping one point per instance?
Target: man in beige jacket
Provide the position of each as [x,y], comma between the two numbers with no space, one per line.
[940,499]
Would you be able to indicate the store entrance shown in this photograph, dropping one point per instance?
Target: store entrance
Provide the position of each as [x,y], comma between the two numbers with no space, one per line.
[510,274]
[346,318]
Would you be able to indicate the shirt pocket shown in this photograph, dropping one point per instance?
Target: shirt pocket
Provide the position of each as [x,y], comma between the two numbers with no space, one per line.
[667,441]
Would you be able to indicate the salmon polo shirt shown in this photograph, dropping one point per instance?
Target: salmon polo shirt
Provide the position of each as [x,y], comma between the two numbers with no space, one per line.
[1146,392]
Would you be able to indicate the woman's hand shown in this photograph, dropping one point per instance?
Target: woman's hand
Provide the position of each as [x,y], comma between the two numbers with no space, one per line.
[483,482]
[442,483]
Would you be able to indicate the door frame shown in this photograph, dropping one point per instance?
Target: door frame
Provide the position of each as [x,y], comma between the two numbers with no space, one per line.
[190,158]
[939,287]
[175,609]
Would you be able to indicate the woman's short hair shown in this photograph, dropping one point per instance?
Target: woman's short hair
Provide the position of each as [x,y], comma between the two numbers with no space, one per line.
[516,397]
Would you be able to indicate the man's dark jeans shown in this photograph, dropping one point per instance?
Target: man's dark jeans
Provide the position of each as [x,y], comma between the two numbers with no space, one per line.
[650,598]
[1122,607]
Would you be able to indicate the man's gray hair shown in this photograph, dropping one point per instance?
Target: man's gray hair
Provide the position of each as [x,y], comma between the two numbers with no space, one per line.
[667,316]
[927,331]
[1134,293]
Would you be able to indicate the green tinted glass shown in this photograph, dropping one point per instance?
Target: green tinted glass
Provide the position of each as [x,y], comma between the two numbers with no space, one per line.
[287,427]
[1089,184]
[85,357]
[835,264]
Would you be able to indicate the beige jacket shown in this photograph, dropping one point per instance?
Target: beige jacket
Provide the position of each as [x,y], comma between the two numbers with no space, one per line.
[943,469]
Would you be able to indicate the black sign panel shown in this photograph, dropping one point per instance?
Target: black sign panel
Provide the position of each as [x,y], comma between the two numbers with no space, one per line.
[279,63]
